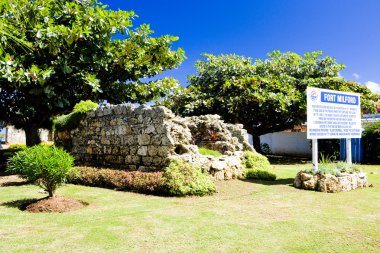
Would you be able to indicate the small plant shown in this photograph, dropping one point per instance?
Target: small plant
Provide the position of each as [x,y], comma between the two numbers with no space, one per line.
[257,166]
[206,151]
[47,167]
[182,179]
[265,148]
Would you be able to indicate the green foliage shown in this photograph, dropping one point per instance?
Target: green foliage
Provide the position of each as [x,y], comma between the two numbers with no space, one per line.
[260,174]
[85,106]
[371,142]
[266,96]
[182,179]
[71,121]
[79,50]
[144,182]
[48,167]
[265,148]
[327,166]
[17,146]
[206,151]
[257,166]
[68,121]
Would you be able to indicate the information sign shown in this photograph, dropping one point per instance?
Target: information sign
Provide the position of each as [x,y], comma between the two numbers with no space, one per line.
[333,114]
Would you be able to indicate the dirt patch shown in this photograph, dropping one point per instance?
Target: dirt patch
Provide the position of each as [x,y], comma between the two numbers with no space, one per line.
[57,204]
[12,180]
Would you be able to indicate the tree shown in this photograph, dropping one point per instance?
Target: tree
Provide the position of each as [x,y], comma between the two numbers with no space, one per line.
[80,50]
[267,96]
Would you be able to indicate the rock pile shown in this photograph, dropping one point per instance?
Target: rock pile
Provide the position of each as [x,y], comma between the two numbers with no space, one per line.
[146,139]
[330,183]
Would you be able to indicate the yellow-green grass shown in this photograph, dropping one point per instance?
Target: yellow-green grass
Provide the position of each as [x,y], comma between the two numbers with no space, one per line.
[243,216]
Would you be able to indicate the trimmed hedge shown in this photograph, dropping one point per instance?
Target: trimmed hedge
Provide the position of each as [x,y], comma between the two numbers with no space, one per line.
[71,121]
[182,178]
[144,182]
[178,179]
[257,166]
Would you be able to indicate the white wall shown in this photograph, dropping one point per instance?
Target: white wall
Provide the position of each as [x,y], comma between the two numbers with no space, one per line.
[287,143]
[17,136]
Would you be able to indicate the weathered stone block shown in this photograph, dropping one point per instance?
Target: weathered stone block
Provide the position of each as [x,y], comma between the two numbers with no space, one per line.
[142,151]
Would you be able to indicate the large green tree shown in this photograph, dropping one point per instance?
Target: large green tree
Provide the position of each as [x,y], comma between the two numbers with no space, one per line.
[77,50]
[267,95]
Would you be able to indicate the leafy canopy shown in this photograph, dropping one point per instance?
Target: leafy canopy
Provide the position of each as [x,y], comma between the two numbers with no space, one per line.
[79,50]
[266,96]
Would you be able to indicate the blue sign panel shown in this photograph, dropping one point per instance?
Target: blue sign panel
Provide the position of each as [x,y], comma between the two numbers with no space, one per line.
[336,98]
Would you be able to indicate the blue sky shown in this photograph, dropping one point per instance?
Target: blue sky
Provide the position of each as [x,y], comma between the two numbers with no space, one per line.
[347,30]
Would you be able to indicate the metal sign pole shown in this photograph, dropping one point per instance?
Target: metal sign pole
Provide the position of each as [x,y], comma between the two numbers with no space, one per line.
[348,151]
[315,154]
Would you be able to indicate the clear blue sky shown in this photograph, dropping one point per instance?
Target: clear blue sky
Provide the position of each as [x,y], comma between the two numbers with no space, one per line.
[348,30]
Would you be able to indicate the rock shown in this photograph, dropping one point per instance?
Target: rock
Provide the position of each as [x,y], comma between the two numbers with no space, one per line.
[310,184]
[306,176]
[219,175]
[142,151]
[218,165]
[329,183]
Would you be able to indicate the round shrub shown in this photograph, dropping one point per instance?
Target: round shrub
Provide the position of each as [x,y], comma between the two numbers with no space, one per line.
[181,178]
[257,166]
[47,167]
[85,106]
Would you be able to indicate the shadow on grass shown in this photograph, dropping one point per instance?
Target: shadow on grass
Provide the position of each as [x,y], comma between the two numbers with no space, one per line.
[20,204]
[287,160]
[15,183]
[282,181]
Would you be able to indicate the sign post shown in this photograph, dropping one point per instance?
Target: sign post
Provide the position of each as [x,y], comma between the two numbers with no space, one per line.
[332,115]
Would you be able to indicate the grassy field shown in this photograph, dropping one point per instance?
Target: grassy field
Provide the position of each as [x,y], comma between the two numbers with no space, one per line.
[244,216]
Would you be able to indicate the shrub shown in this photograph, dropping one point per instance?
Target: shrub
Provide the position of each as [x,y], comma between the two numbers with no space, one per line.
[71,121]
[145,182]
[182,179]
[260,174]
[206,151]
[17,146]
[85,106]
[257,166]
[48,167]
[371,142]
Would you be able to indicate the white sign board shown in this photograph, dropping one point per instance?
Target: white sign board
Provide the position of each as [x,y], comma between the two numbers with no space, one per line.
[333,114]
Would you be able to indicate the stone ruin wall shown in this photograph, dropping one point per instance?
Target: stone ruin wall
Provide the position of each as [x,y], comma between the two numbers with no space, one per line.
[146,139]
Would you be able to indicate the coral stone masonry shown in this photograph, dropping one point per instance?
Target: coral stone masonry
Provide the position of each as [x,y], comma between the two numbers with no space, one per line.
[146,138]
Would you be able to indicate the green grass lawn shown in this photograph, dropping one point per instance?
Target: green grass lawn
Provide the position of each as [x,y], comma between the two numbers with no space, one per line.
[244,216]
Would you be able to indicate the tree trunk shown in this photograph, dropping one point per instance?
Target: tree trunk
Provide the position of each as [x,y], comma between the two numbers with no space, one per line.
[31,135]
[256,142]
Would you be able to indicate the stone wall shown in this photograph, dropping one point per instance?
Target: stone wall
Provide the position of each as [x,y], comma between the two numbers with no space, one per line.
[146,138]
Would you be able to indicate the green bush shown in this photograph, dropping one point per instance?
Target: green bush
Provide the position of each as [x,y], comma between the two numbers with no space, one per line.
[144,182]
[260,174]
[371,142]
[48,167]
[17,146]
[206,151]
[85,106]
[257,166]
[71,121]
[182,179]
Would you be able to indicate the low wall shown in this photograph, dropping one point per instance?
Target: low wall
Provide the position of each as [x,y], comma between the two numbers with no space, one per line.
[146,138]
[288,143]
